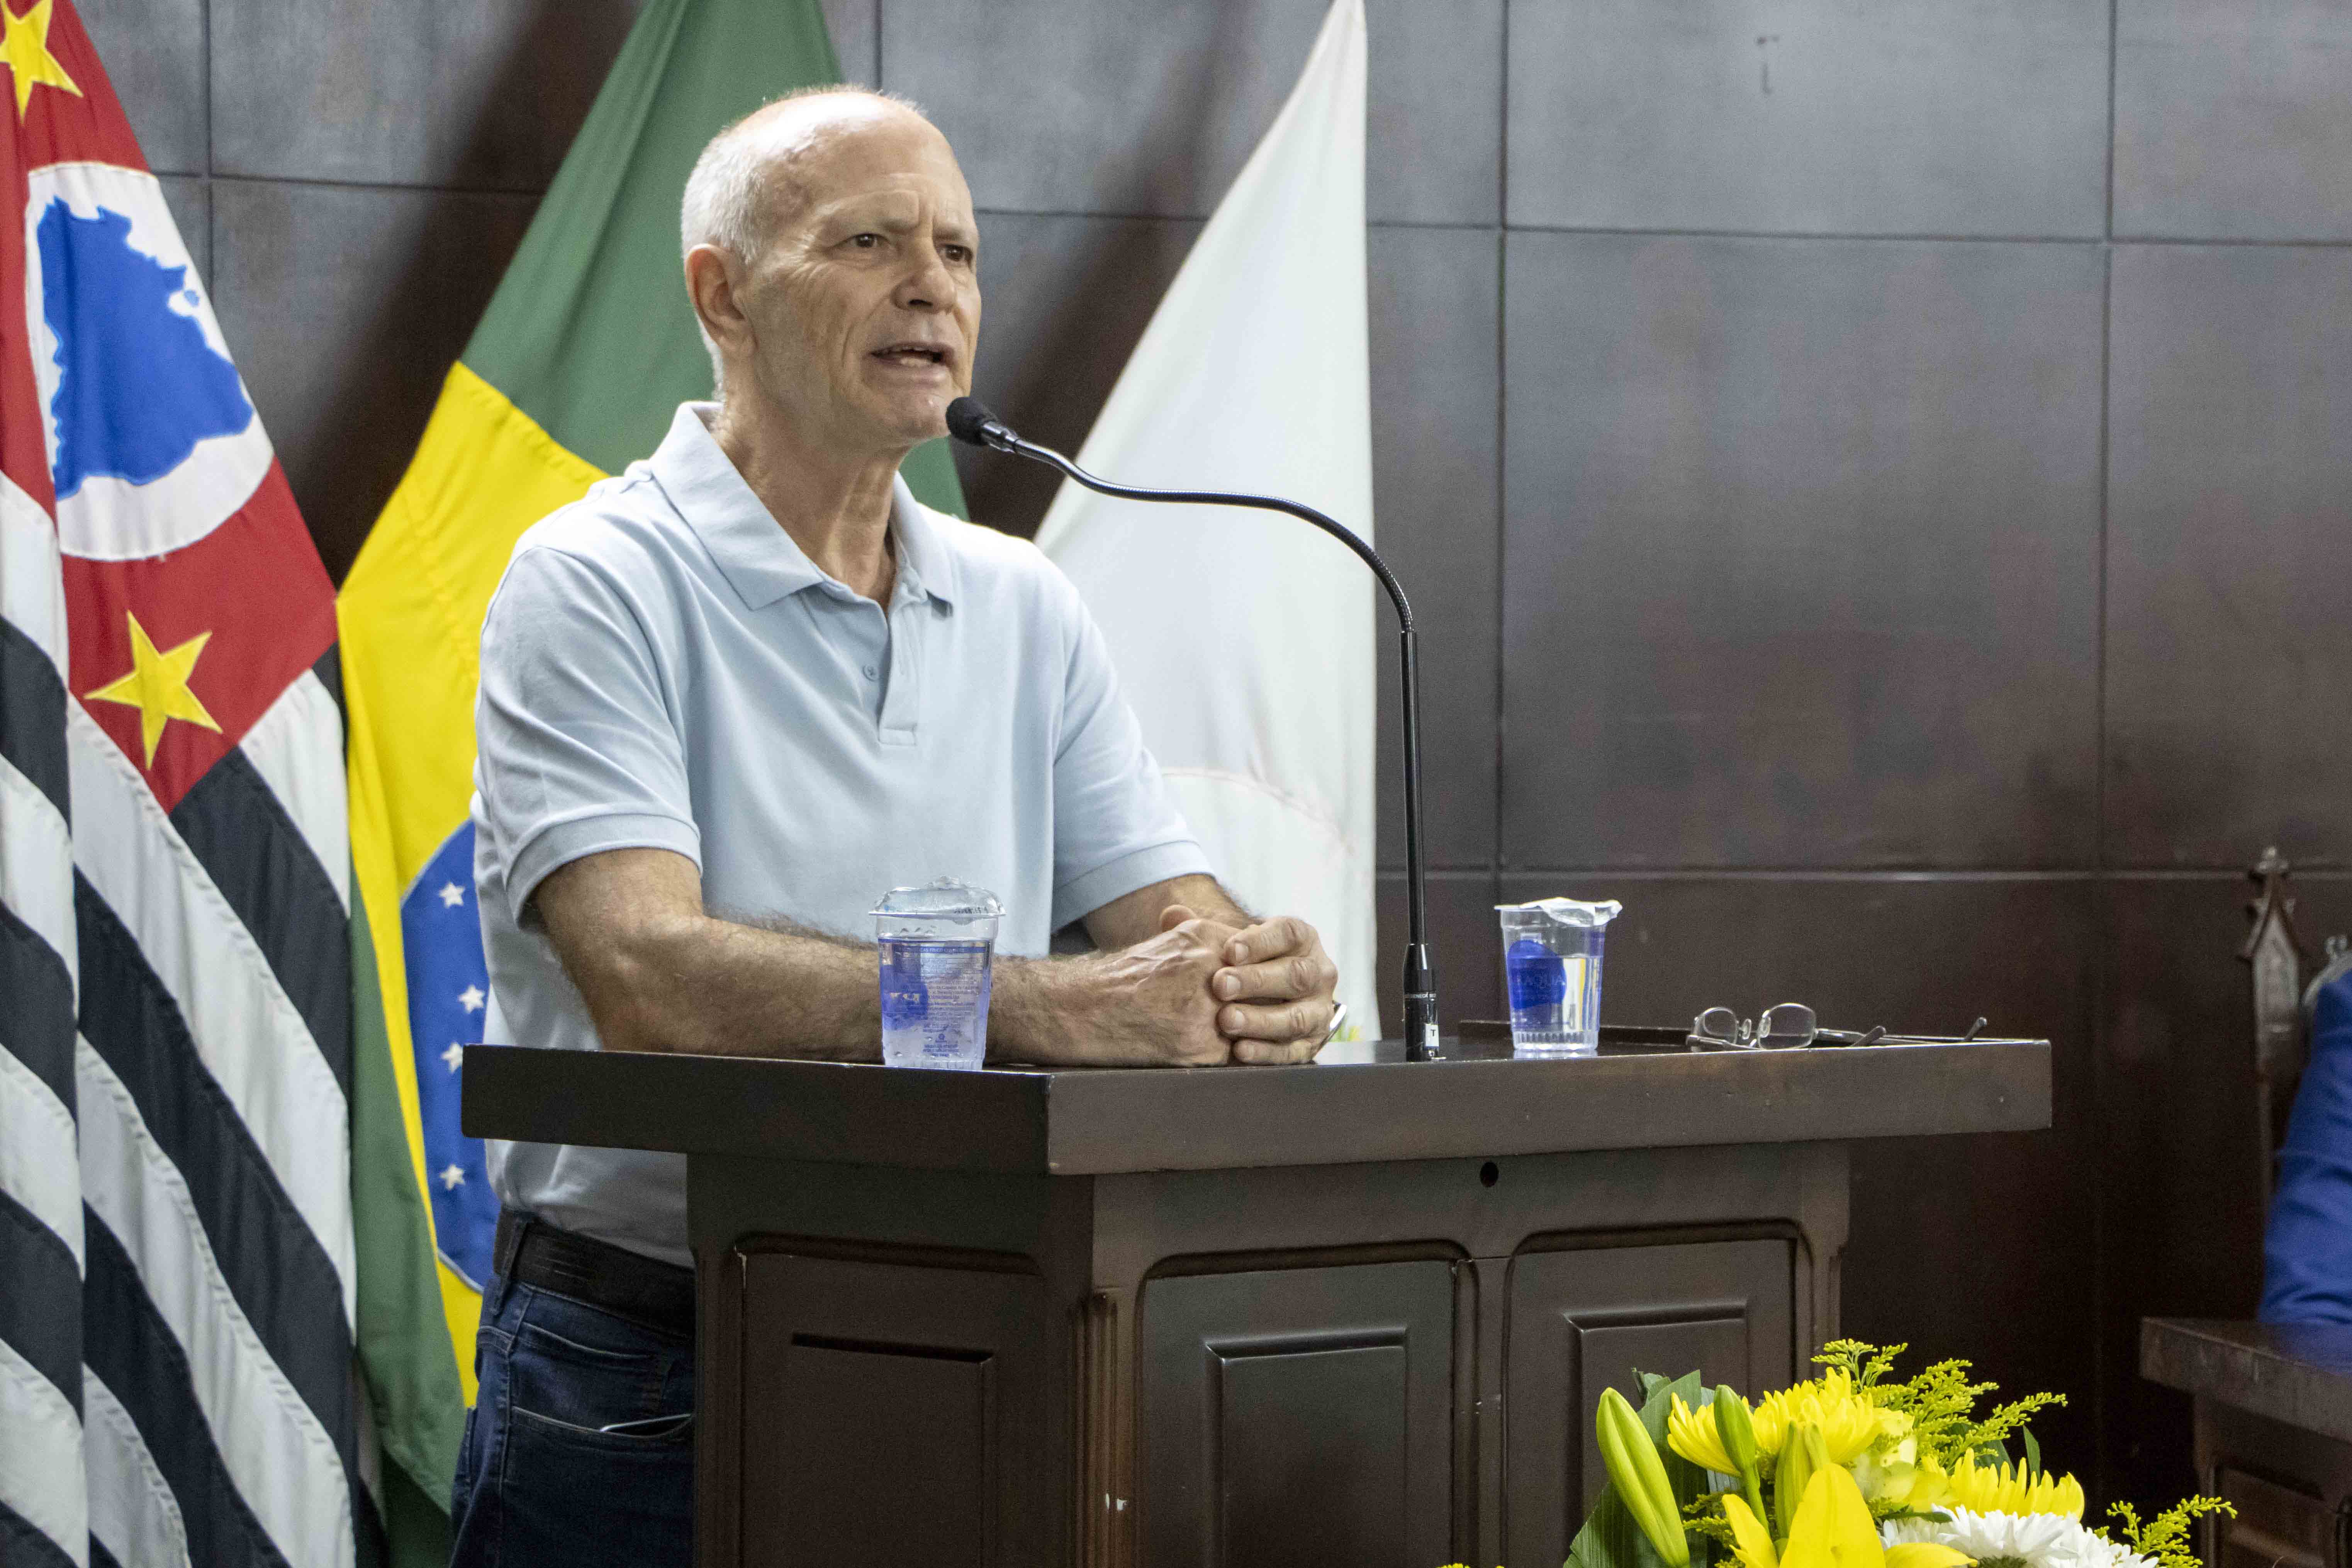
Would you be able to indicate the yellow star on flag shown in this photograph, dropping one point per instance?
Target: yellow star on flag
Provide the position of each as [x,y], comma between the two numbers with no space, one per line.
[25,50]
[158,682]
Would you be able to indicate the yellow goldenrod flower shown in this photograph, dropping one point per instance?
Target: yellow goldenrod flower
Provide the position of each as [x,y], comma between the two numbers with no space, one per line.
[1693,1434]
[2005,1488]
[1848,1421]
[1896,1425]
[1832,1529]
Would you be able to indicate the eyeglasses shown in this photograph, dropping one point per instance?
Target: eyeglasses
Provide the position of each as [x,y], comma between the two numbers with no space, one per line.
[1777,1028]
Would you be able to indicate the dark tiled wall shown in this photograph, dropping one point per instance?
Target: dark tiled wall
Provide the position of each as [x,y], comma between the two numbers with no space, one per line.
[1876,480]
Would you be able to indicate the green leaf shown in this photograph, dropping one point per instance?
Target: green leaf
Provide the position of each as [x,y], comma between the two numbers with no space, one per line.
[1688,1480]
[1651,1383]
[1611,1538]
[2032,1453]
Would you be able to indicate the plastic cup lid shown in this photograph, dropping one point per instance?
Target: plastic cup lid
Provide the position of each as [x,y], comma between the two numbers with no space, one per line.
[945,898]
[1569,912]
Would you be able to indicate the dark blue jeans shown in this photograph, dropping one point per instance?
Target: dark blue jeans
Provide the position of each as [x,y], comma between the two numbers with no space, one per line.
[580,1450]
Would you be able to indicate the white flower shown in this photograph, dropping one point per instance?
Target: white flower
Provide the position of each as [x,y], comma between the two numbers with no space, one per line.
[2015,1539]
[2096,1551]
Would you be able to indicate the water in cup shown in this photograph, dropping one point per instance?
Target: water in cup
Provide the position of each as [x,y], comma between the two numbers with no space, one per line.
[937,944]
[1551,972]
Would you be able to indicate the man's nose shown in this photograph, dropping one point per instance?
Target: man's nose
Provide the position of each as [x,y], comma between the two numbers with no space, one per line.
[927,284]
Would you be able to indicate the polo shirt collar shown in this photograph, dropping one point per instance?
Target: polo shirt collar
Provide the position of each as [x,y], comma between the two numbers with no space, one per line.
[925,562]
[759,561]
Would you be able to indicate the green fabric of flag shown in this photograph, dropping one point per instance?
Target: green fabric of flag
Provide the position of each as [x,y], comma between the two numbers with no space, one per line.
[404,1348]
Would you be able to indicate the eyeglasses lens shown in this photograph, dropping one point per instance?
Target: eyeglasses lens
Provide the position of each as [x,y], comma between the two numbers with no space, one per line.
[1717,1024]
[1787,1024]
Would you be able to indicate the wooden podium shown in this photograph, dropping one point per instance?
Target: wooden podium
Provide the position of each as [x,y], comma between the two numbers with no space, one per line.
[1356,1314]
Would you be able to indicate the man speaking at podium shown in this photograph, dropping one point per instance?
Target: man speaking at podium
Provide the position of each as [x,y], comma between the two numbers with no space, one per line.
[730,698]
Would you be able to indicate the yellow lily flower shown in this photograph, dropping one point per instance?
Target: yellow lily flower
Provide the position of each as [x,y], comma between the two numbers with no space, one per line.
[1693,1434]
[1849,1422]
[2005,1488]
[1751,1541]
[1832,1529]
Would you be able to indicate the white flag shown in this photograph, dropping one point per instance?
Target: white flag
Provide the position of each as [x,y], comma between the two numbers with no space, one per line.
[1244,639]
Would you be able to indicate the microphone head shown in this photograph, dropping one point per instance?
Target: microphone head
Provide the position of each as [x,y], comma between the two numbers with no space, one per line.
[969,419]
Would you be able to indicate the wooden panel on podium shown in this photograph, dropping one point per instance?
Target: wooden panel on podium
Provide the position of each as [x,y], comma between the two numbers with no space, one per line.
[1295,1417]
[894,1412]
[1583,1316]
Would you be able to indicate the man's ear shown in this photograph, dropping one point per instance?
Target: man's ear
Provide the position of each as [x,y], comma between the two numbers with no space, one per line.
[712,278]
[1175,915]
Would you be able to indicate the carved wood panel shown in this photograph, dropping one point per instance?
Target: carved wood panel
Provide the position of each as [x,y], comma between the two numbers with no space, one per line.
[1298,1417]
[895,1413]
[1581,1321]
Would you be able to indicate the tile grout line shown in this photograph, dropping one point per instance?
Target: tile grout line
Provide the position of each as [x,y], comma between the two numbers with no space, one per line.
[533,192]
[2115,50]
[1823,237]
[2084,875]
[521,193]
[2101,907]
[212,224]
[1502,423]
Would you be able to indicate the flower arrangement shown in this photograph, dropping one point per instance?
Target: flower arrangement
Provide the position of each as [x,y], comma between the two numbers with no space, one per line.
[1850,1470]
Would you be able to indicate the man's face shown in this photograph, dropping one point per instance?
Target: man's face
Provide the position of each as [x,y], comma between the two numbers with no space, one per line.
[865,306]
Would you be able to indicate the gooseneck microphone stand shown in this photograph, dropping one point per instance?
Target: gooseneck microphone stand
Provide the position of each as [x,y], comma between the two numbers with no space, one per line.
[970,421]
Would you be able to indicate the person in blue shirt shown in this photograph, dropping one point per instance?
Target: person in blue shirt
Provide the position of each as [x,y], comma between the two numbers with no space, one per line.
[2307,1250]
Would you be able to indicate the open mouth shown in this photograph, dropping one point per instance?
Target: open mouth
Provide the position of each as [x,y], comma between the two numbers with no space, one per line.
[915,355]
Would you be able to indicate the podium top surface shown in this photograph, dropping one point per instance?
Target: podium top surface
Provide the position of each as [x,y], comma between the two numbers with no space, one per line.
[1356,1104]
[2299,1373]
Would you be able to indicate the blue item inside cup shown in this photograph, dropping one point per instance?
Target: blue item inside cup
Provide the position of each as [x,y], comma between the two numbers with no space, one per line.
[1537,977]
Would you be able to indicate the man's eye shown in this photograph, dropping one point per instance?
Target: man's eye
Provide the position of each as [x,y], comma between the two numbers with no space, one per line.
[956,253]
[865,241]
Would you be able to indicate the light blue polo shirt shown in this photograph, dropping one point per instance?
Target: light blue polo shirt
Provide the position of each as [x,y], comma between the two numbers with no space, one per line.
[663,667]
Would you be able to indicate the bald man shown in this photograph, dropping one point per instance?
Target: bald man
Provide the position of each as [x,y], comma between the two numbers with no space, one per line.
[730,698]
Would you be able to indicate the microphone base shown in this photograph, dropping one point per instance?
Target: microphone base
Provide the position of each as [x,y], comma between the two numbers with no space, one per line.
[1420,1005]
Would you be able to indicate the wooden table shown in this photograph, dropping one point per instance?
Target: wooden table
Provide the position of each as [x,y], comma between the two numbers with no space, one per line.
[1357,1312]
[2273,1414]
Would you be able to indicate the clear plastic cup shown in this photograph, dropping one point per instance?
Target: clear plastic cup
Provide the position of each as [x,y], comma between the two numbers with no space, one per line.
[937,944]
[1551,974]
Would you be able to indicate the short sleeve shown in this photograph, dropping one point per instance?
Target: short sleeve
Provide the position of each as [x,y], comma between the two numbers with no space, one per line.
[1117,827]
[578,746]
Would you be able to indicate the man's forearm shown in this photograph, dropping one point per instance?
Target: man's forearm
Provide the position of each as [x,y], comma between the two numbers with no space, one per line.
[729,989]
[709,986]
[660,973]
[1124,922]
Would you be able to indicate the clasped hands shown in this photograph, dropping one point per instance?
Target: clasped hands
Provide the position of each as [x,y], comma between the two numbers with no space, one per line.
[1259,993]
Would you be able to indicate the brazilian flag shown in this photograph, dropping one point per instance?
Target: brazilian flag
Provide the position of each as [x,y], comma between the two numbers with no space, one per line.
[575,371]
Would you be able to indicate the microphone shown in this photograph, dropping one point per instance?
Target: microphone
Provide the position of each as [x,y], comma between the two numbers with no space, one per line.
[970,422]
